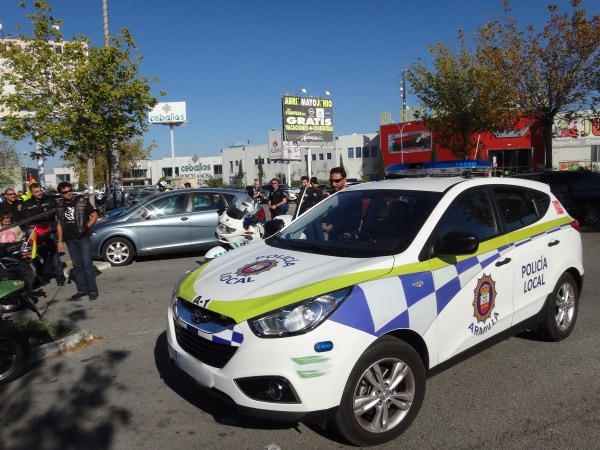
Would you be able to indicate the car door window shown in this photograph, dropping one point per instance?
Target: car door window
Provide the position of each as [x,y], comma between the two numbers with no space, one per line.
[517,208]
[163,207]
[203,202]
[471,212]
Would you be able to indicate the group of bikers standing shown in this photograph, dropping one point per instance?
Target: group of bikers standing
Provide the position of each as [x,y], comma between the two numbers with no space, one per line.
[70,221]
[310,192]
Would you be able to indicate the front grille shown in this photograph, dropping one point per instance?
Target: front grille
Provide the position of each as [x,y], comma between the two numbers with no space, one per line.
[211,353]
[209,316]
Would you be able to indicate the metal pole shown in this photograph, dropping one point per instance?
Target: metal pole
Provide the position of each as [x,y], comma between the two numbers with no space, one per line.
[90,172]
[309,160]
[116,171]
[40,155]
[172,127]
[401,145]
[105,18]
[401,140]
[245,168]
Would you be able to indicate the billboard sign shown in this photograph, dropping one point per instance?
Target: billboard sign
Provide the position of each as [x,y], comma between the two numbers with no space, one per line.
[275,145]
[168,113]
[410,142]
[307,119]
[291,151]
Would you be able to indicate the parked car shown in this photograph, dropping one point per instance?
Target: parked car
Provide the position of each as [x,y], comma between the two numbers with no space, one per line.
[352,181]
[130,200]
[344,313]
[577,190]
[168,222]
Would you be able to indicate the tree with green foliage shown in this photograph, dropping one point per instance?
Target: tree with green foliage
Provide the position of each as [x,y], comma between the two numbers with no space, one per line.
[130,153]
[240,174]
[380,165]
[10,166]
[82,100]
[261,171]
[462,97]
[547,72]
[215,182]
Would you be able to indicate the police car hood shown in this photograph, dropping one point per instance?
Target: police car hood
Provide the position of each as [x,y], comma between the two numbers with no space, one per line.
[258,278]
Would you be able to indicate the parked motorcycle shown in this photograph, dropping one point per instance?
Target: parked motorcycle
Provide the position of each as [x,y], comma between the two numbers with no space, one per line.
[25,261]
[37,249]
[30,254]
[241,223]
[14,351]
[15,287]
[14,348]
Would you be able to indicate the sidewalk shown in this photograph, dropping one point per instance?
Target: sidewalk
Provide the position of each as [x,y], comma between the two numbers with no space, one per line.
[52,348]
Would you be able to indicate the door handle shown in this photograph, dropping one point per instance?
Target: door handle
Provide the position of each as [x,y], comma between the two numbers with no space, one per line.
[502,262]
[184,218]
[553,243]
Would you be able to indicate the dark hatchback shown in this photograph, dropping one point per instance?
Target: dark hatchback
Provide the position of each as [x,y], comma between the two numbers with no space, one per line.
[577,190]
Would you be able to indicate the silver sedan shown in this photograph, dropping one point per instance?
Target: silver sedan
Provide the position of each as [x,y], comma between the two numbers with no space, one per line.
[167,222]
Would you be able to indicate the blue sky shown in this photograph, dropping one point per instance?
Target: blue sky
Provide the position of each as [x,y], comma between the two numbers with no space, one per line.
[232,60]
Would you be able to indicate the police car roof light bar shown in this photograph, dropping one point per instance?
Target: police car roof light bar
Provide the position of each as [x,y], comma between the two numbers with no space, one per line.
[449,168]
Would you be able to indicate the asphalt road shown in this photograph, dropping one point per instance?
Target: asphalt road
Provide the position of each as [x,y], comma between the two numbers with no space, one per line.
[121,393]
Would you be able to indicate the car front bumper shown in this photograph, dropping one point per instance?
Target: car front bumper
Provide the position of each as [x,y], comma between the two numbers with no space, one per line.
[316,379]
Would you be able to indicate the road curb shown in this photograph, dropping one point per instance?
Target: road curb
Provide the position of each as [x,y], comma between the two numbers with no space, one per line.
[52,348]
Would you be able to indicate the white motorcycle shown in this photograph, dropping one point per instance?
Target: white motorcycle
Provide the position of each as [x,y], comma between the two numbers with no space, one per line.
[241,223]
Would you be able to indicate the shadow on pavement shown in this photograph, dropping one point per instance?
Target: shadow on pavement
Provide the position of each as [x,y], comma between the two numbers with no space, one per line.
[79,417]
[223,412]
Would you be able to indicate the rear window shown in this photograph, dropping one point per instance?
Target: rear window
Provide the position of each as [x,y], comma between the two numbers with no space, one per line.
[520,207]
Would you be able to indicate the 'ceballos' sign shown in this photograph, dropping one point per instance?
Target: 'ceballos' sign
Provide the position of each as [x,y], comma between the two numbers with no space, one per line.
[172,112]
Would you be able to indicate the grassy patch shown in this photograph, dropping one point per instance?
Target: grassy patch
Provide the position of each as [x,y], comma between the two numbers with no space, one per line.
[39,332]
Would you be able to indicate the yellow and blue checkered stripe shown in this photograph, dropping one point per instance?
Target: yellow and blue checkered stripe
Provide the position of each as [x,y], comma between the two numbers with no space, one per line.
[414,300]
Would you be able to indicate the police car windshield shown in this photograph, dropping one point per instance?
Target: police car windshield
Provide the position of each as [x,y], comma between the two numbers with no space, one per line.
[360,224]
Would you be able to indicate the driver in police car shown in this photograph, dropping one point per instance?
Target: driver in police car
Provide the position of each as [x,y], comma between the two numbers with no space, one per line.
[346,216]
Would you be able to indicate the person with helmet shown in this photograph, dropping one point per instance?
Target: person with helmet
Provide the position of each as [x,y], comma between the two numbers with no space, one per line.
[163,186]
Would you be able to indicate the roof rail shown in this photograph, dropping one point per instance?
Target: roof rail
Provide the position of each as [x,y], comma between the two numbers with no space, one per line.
[449,168]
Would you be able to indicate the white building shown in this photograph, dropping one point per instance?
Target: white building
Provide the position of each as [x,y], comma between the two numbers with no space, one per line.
[359,154]
[576,143]
[58,175]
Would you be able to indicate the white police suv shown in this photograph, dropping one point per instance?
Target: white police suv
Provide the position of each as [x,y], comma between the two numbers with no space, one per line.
[343,313]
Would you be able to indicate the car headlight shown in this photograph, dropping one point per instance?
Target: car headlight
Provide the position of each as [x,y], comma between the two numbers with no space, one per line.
[300,317]
[179,281]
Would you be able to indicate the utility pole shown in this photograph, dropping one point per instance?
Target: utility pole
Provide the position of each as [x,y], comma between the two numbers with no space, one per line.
[116,171]
[403,114]
[90,161]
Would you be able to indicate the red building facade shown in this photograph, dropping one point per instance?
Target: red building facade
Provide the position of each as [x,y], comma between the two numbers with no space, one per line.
[517,151]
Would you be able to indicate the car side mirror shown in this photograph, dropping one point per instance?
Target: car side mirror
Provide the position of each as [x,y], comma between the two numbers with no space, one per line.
[456,243]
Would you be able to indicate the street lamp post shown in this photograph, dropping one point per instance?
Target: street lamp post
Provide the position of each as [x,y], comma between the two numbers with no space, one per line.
[401,128]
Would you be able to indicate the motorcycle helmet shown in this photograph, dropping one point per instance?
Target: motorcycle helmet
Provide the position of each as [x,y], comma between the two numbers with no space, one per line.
[162,184]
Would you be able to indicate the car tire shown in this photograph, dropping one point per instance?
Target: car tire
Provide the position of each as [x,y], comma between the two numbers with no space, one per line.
[591,215]
[118,252]
[14,352]
[561,311]
[390,379]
